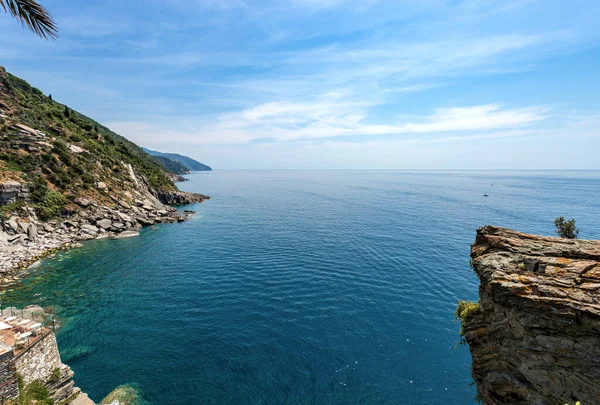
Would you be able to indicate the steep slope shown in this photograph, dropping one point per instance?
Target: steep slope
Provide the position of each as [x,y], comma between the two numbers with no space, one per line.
[535,334]
[60,166]
[190,163]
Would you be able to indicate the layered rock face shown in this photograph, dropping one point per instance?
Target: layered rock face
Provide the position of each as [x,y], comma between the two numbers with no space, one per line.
[10,191]
[535,338]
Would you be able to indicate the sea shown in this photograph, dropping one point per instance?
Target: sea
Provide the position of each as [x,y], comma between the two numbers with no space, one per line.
[297,287]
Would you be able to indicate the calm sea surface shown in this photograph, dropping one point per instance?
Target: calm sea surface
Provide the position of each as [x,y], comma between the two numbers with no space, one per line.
[297,287]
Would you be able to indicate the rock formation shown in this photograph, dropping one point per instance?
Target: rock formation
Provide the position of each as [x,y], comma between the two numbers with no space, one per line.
[535,335]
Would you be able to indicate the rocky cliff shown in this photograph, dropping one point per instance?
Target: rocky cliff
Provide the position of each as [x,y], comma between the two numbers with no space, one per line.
[535,334]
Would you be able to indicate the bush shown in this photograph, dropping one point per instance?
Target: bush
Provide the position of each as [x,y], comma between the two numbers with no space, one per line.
[566,229]
[464,313]
[35,391]
[50,205]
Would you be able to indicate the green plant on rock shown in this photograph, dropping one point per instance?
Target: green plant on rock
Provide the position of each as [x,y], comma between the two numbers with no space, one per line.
[465,311]
[55,375]
[566,229]
[35,392]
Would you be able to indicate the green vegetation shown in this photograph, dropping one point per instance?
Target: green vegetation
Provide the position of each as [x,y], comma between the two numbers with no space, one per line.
[51,205]
[171,165]
[48,203]
[35,392]
[566,229]
[465,311]
[55,375]
[17,206]
[189,163]
[66,169]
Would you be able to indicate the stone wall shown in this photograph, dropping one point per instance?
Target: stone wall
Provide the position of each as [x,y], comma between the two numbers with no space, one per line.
[535,337]
[9,387]
[42,362]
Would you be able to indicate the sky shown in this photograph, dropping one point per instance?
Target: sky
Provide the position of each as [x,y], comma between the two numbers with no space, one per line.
[330,84]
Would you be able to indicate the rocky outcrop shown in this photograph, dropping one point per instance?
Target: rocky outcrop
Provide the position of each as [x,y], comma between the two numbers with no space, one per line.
[10,191]
[535,336]
[180,198]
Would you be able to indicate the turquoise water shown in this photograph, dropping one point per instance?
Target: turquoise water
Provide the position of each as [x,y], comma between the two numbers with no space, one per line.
[297,287]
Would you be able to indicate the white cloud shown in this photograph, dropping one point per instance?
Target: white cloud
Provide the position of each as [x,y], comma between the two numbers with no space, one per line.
[286,122]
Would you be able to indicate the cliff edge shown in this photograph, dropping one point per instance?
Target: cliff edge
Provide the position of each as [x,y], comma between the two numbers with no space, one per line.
[535,334]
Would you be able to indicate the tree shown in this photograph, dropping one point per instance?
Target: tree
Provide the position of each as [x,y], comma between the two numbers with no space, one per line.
[67,112]
[33,16]
[50,97]
[566,229]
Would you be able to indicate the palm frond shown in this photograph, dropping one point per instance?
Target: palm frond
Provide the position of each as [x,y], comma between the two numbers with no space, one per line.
[33,16]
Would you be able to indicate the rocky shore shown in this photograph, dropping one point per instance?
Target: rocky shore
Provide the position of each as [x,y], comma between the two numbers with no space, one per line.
[25,239]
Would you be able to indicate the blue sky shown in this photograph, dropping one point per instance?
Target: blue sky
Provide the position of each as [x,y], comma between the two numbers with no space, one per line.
[241,84]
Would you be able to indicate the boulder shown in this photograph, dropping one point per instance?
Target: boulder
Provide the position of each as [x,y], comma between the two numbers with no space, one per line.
[32,232]
[13,223]
[124,204]
[104,223]
[23,226]
[126,234]
[124,217]
[144,221]
[82,202]
[91,229]
[101,185]
[14,238]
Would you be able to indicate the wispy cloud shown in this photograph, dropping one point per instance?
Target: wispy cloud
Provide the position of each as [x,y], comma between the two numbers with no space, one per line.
[293,122]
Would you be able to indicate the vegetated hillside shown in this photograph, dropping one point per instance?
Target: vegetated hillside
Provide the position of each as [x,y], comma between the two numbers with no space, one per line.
[63,154]
[188,162]
[171,165]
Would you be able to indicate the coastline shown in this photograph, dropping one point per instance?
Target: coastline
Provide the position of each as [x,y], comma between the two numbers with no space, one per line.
[26,240]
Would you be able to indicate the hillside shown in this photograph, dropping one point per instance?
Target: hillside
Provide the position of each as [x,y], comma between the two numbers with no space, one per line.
[64,177]
[191,164]
[171,165]
[47,143]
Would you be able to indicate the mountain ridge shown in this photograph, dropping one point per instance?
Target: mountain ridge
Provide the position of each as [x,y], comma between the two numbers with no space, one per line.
[191,164]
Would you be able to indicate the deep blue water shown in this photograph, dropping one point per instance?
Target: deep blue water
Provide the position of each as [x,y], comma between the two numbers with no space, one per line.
[297,287]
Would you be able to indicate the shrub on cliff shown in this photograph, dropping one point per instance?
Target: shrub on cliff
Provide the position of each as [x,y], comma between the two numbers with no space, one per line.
[48,203]
[464,313]
[566,229]
[51,205]
[34,393]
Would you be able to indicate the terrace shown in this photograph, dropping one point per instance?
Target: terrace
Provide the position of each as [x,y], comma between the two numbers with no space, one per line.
[22,329]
